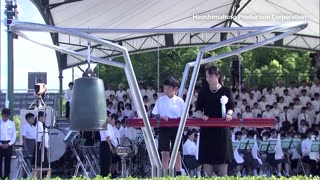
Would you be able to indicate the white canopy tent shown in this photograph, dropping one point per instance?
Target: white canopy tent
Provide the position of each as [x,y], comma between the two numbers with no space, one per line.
[99,16]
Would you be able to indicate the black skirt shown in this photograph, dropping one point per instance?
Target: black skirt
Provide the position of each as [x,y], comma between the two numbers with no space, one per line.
[215,146]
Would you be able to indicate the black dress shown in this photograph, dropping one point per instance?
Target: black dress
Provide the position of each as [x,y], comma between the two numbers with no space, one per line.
[215,142]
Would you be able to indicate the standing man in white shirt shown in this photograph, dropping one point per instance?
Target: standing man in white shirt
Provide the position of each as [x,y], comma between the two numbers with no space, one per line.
[7,139]
[105,152]
[166,107]
[67,97]
[29,134]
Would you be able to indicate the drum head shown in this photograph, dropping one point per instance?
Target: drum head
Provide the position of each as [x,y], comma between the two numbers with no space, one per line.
[57,145]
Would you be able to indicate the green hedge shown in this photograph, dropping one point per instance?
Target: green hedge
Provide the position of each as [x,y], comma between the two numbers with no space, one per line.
[215,178]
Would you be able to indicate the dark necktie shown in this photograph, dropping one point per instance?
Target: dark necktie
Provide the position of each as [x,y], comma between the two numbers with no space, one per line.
[285,115]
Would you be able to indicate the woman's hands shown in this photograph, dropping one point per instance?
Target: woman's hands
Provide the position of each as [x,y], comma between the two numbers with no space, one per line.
[228,117]
[199,114]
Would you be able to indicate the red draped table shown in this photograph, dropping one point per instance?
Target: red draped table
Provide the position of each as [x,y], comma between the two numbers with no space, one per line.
[211,122]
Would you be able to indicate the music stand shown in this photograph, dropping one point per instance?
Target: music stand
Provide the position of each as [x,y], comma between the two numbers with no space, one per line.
[263,146]
[272,146]
[295,142]
[235,145]
[70,136]
[246,145]
[286,143]
[315,146]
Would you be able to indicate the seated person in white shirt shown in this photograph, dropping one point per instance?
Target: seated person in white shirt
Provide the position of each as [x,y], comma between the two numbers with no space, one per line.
[127,112]
[255,110]
[293,91]
[239,162]
[287,98]
[303,127]
[316,102]
[307,156]
[247,113]
[277,161]
[304,85]
[190,152]
[29,133]
[252,157]
[304,116]
[285,119]
[268,113]
[281,103]
[114,142]
[304,99]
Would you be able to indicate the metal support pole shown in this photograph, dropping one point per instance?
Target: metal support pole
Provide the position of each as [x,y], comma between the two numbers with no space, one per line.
[185,114]
[10,12]
[137,99]
[184,80]
[60,93]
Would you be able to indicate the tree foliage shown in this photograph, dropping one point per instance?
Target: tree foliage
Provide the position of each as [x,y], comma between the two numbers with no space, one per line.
[261,66]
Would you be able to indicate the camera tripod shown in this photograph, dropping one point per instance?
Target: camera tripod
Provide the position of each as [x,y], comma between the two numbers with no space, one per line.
[38,102]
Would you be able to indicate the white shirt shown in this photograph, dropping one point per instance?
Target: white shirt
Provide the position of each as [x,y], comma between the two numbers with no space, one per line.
[288,100]
[281,105]
[293,92]
[39,128]
[306,88]
[128,113]
[262,105]
[150,93]
[247,115]
[267,114]
[68,95]
[104,134]
[314,89]
[270,98]
[29,131]
[119,95]
[316,105]
[306,147]
[8,131]
[108,93]
[255,112]
[189,148]
[283,117]
[279,90]
[304,100]
[306,117]
[170,107]
[251,102]
[112,136]
[312,115]
[256,94]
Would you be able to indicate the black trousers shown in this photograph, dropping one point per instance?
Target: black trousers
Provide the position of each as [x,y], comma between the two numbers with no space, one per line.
[6,154]
[105,158]
[67,109]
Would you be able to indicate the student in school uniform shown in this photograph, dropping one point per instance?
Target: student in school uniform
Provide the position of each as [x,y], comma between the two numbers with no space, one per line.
[42,139]
[105,152]
[7,139]
[29,133]
[166,107]
[190,152]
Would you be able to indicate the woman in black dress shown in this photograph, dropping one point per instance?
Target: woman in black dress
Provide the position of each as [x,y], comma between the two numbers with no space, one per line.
[215,142]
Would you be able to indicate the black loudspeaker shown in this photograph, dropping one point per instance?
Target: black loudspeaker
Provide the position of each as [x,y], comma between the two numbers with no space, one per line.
[169,40]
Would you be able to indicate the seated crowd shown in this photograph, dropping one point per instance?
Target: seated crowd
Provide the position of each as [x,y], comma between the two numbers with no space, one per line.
[296,110]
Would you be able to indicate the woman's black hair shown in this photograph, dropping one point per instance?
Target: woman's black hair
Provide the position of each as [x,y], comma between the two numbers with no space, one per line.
[214,70]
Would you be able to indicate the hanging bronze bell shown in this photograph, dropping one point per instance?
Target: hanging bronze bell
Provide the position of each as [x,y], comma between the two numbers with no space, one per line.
[88,105]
